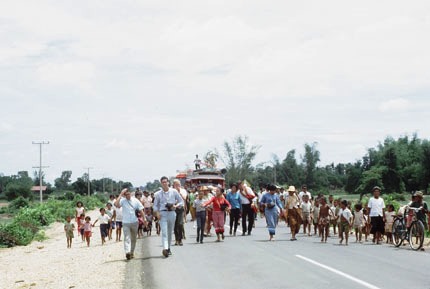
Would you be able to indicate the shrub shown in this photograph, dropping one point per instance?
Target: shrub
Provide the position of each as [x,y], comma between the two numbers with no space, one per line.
[14,191]
[28,222]
[14,234]
[19,203]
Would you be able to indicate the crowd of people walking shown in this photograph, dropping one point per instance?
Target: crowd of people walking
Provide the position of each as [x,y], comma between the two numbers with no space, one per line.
[166,211]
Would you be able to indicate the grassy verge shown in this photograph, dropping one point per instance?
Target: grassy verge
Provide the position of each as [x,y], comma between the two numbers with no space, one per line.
[29,218]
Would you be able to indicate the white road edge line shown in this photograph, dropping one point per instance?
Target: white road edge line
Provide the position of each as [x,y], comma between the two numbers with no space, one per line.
[352,278]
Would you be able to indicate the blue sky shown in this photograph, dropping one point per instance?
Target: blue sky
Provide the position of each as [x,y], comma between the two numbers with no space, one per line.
[136,88]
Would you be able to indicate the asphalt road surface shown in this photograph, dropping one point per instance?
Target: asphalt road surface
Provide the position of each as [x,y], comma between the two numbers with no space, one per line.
[254,262]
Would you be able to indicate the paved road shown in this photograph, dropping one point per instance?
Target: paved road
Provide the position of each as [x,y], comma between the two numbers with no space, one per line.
[253,262]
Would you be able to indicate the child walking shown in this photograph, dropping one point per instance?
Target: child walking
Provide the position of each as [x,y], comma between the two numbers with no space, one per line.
[88,230]
[306,214]
[324,219]
[345,221]
[315,214]
[69,228]
[200,216]
[358,222]
[81,222]
[389,220]
[104,224]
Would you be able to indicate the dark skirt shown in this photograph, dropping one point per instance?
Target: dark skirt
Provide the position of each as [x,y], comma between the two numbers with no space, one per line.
[377,225]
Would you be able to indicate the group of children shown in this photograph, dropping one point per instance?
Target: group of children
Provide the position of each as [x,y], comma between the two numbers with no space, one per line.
[109,219]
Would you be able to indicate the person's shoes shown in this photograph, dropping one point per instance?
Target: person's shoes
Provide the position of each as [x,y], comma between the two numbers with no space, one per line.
[165,253]
[180,243]
[222,236]
[230,232]
[169,252]
[128,256]
[249,233]
[243,234]
[201,242]
[197,239]
[131,255]
[176,243]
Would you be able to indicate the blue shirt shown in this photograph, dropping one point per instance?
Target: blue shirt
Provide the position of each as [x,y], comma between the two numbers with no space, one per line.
[271,199]
[162,198]
[234,200]
[129,208]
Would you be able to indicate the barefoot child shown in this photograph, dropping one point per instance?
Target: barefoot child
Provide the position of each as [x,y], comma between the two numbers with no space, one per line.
[389,220]
[104,224]
[315,214]
[110,211]
[345,216]
[68,228]
[88,229]
[306,214]
[81,222]
[324,219]
[358,222]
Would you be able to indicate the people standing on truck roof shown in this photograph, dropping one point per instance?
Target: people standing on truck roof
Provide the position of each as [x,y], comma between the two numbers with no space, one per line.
[197,162]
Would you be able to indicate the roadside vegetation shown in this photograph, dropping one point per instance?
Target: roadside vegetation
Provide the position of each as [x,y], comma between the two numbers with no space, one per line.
[30,218]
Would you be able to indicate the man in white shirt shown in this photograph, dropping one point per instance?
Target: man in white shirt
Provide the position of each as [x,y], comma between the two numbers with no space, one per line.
[376,208]
[166,201]
[304,192]
[130,223]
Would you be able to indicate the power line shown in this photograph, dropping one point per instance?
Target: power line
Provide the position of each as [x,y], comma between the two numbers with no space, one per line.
[40,166]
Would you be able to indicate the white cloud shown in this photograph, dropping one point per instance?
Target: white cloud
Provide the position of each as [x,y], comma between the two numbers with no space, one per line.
[395,105]
[175,79]
[5,127]
[74,73]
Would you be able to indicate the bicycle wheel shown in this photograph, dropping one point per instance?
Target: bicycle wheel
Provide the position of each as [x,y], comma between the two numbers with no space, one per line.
[416,235]
[399,230]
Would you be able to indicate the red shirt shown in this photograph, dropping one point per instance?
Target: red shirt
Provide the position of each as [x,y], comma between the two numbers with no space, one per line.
[217,202]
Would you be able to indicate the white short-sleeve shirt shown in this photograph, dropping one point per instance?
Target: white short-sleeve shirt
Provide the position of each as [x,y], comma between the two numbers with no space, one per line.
[376,206]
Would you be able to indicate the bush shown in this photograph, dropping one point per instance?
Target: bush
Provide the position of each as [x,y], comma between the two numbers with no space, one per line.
[27,223]
[19,203]
[14,191]
[14,234]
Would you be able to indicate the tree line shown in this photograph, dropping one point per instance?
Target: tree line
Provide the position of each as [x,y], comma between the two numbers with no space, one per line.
[20,185]
[396,165]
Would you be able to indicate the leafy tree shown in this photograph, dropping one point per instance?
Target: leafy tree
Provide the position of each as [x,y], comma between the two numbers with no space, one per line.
[310,160]
[370,178]
[153,186]
[390,171]
[16,189]
[210,159]
[80,186]
[238,157]
[63,182]
[292,170]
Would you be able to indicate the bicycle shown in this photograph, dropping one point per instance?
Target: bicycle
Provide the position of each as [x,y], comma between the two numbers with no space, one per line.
[408,227]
